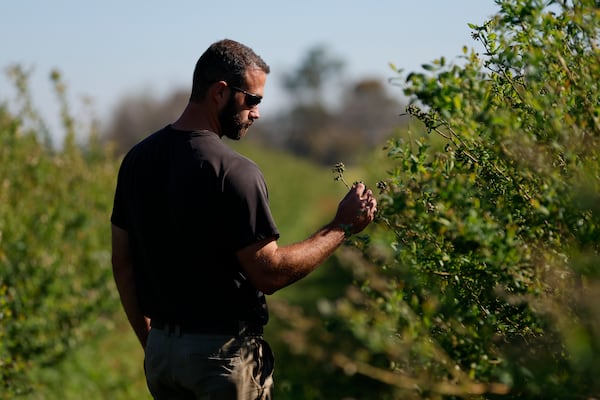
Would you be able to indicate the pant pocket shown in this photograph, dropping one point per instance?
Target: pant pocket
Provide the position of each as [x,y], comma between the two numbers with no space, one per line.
[262,373]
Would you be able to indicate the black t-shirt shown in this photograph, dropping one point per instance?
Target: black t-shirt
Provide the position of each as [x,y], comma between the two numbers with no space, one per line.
[188,203]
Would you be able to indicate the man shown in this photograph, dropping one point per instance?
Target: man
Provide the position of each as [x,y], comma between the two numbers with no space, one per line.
[195,245]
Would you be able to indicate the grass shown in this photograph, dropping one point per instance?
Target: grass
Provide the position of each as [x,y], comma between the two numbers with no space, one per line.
[106,367]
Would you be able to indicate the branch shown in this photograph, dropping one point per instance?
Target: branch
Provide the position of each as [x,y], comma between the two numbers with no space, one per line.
[406,382]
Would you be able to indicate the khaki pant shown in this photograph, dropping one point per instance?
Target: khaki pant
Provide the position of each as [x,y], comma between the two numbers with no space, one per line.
[208,367]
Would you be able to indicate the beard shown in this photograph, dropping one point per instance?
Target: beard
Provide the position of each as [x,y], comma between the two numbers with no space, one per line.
[231,124]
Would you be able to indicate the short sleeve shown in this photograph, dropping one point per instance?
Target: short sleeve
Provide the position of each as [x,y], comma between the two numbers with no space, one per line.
[248,215]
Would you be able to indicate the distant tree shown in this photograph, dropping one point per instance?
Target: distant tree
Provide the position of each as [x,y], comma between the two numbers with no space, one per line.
[364,117]
[306,83]
[370,113]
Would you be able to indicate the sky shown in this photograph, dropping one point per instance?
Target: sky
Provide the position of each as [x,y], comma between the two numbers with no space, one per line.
[108,49]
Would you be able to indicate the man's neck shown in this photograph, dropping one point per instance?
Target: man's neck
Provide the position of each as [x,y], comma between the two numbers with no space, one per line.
[195,118]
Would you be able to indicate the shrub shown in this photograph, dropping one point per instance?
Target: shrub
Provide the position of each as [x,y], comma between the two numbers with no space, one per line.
[482,275]
[54,242]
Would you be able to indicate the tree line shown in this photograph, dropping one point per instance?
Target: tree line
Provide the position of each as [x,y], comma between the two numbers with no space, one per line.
[362,116]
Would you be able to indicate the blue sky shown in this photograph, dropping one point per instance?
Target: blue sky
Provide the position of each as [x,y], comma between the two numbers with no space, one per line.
[106,49]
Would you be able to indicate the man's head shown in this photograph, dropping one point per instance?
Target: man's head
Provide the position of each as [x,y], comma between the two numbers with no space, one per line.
[238,71]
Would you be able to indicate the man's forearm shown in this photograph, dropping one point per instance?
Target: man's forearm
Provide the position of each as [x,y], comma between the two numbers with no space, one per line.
[124,279]
[126,287]
[303,257]
[271,268]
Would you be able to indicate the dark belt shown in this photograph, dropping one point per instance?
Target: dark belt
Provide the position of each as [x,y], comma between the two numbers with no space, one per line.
[233,328]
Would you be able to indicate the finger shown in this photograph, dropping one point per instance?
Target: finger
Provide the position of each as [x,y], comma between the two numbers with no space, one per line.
[372,206]
[353,191]
[360,188]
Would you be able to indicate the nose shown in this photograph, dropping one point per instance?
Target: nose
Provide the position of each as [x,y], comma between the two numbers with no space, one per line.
[254,113]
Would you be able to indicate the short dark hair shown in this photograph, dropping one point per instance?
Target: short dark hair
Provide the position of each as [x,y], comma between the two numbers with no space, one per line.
[225,60]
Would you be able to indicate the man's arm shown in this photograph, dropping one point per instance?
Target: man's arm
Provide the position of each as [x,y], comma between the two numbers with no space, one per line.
[270,267]
[123,275]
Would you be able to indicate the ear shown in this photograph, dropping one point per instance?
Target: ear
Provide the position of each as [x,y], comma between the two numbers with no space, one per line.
[219,93]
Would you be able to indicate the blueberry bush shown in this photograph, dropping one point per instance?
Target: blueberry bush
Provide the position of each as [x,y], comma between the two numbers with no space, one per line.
[55,277]
[481,277]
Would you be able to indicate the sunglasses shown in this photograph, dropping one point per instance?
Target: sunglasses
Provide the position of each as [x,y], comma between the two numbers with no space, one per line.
[250,99]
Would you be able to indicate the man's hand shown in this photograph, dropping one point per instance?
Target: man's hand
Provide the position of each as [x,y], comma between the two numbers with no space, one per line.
[356,210]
